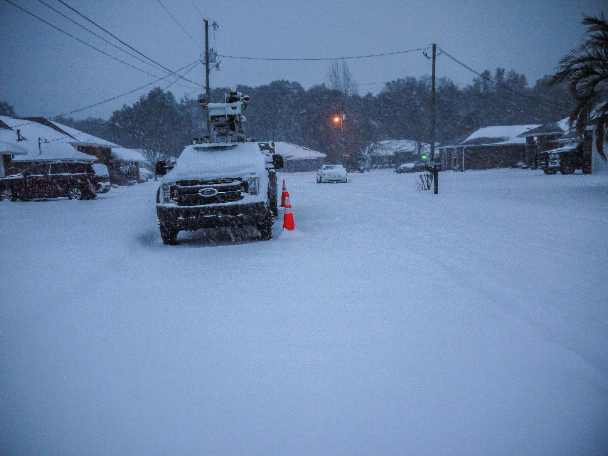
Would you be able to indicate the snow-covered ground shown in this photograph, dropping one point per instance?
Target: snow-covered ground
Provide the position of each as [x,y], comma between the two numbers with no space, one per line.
[391,322]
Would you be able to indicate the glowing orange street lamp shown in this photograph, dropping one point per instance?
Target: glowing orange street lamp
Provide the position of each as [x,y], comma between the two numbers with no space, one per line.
[339,120]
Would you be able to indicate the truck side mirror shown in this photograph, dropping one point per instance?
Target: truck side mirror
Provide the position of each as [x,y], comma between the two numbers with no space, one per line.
[277,161]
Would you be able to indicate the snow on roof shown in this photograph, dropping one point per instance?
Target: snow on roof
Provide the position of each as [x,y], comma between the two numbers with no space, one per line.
[394,146]
[549,129]
[82,138]
[293,152]
[128,155]
[11,148]
[566,148]
[498,135]
[52,151]
[53,144]
[31,130]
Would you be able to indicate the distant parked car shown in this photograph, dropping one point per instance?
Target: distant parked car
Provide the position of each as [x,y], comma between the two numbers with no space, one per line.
[410,167]
[75,180]
[103,177]
[145,174]
[331,173]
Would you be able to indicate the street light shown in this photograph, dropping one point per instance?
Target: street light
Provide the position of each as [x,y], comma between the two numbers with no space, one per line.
[338,119]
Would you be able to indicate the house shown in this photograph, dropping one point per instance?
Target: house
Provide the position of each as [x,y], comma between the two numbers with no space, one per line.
[486,148]
[299,158]
[8,150]
[392,152]
[551,136]
[41,142]
[85,143]
[124,165]
[47,140]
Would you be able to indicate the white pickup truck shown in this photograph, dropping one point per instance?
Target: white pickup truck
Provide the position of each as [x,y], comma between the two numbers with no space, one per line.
[228,182]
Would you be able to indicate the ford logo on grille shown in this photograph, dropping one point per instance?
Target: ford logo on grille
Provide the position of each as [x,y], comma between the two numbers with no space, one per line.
[207,192]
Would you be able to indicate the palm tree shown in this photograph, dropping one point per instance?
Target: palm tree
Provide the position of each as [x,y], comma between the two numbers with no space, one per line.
[586,71]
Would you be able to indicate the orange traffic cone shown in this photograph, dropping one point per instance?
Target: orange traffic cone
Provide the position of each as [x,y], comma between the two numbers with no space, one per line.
[288,222]
[283,195]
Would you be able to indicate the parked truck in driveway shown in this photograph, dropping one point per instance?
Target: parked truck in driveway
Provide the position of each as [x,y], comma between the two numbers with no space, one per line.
[230,181]
[565,159]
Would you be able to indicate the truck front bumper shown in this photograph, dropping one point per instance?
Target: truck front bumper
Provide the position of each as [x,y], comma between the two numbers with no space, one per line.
[192,218]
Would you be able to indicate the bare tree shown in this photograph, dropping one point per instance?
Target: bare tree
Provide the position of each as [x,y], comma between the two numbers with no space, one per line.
[341,78]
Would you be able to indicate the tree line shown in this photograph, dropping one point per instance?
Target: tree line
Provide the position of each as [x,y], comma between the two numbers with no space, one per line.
[162,125]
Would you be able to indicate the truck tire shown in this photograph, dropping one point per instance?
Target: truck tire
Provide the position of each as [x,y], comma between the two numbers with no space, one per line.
[168,235]
[266,228]
[7,193]
[274,205]
[550,171]
[75,192]
[566,168]
[587,167]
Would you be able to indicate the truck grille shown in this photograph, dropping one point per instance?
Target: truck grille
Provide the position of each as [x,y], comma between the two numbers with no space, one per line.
[193,192]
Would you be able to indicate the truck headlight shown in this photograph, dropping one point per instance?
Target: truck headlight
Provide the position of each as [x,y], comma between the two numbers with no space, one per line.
[165,193]
[253,185]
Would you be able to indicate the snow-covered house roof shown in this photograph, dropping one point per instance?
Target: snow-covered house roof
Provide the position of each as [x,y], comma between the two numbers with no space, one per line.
[128,155]
[41,142]
[561,128]
[11,148]
[498,135]
[395,146]
[83,139]
[293,152]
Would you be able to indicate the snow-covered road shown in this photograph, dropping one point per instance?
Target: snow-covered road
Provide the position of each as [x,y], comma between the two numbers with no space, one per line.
[391,322]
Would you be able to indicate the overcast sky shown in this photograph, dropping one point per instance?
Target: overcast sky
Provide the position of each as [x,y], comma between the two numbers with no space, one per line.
[43,72]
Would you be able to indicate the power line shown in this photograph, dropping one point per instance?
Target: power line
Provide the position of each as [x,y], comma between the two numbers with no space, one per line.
[193,66]
[122,42]
[180,25]
[199,11]
[98,36]
[123,94]
[81,41]
[115,97]
[126,93]
[369,56]
[487,78]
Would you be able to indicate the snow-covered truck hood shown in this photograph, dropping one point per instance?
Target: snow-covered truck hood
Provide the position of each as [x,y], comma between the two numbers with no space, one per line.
[215,160]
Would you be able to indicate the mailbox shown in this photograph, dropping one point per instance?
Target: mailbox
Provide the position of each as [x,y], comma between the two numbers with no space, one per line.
[433,167]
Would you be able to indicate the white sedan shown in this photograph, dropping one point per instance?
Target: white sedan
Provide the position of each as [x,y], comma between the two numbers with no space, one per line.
[331,173]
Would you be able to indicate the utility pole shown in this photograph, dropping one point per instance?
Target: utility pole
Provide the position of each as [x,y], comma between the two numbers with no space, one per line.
[207,91]
[433,105]
[433,115]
